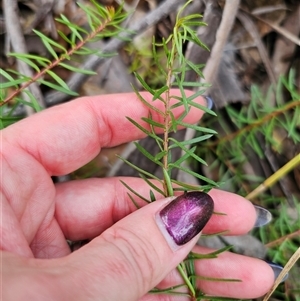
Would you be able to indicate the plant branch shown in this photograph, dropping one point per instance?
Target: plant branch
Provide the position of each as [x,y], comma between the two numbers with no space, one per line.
[93,62]
[13,27]
[55,63]
[280,240]
[257,123]
[275,177]
[282,274]
[228,18]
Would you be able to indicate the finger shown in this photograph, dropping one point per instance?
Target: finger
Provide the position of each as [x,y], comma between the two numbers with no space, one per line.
[136,253]
[12,236]
[254,276]
[67,136]
[85,208]
[247,278]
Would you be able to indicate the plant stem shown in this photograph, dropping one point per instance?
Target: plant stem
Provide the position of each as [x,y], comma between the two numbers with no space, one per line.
[257,123]
[55,63]
[186,279]
[167,127]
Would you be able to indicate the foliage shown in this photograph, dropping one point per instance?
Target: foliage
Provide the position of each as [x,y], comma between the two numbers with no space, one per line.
[102,21]
[261,133]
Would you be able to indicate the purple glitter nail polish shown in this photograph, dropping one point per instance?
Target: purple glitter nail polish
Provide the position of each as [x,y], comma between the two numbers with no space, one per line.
[187,215]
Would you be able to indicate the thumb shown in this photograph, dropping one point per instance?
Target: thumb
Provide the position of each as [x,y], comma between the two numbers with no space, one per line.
[136,253]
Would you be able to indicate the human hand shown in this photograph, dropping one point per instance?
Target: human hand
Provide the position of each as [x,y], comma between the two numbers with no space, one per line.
[128,254]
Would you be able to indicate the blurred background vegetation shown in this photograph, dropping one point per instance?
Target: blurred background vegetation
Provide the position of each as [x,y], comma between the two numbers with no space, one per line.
[255,85]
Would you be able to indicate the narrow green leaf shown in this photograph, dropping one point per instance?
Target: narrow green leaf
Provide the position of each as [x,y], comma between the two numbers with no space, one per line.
[13,83]
[134,192]
[144,130]
[216,279]
[144,84]
[168,182]
[72,26]
[155,57]
[186,150]
[152,196]
[57,87]
[170,290]
[192,141]
[159,155]
[24,102]
[94,15]
[195,174]
[185,156]
[86,51]
[50,49]
[173,125]
[77,70]
[195,68]
[133,201]
[213,254]
[33,101]
[147,103]
[58,79]
[153,123]
[185,186]
[64,37]
[152,185]
[30,56]
[190,84]
[5,121]
[157,94]
[147,154]
[139,169]
[203,108]
[197,128]
[50,41]
[29,63]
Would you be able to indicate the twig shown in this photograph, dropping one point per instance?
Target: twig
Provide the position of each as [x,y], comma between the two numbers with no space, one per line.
[257,123]
[93,62]
[275,177]
[280,240]
[13,27]
[281,30]
[252,30]
[228,18]
[283,273]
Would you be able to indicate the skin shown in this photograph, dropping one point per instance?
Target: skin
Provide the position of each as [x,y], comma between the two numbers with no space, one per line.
[128,255]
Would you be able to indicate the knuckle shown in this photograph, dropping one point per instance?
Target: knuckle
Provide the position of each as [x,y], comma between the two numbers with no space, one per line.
[135,258]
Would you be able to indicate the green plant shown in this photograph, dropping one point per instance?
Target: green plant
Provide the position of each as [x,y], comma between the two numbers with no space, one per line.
[226,152]
[103,22]
[265,132]
[174,76]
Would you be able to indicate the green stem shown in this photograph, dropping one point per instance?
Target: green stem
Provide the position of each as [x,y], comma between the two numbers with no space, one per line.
[186,279]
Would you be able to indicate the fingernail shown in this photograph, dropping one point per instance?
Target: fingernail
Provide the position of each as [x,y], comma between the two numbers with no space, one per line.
[185,217]
[277,270]
[209,102]
[263,216]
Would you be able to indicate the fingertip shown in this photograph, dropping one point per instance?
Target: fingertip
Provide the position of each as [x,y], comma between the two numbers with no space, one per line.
[233,214]
[243,277]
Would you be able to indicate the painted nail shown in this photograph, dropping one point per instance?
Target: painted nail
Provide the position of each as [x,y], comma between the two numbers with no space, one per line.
[185,217]
[277,270]
[263,216]
[209,102]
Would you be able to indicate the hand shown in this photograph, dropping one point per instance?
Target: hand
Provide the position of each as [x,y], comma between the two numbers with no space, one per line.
[128,255]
